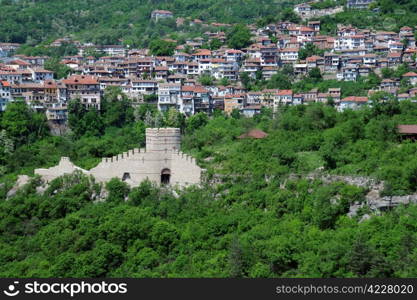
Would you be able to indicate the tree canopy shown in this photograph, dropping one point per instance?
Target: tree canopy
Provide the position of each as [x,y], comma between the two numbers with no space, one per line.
[259,220]
[239,37]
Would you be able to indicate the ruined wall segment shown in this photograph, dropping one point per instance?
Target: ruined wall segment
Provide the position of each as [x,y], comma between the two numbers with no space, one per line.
[65,166]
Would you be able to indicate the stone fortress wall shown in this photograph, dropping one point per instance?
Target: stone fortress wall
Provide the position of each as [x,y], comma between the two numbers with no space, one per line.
[161,162]
[65,166]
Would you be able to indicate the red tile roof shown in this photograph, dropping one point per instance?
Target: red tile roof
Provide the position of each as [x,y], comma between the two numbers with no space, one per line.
[407,129]
[314,58]
[19,62]
[355,99]
[193,88]
[284,92]
[167,12]
[234,51]
[80,79]
[255,134]
[410,74]
[203,52]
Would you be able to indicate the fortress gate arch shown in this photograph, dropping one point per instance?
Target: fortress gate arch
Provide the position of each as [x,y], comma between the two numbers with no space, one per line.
[165,176]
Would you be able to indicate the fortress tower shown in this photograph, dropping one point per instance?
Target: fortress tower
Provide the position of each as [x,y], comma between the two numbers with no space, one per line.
[163,139]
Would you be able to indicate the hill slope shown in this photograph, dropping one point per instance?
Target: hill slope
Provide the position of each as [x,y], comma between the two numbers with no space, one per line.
[107,21]
[390,16]
[259,222]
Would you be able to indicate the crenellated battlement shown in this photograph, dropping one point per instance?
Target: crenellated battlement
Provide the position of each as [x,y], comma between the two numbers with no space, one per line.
[182,155]
[132,154]
[140,154]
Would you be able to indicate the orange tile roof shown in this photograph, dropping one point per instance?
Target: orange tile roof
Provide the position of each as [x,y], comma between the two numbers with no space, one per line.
[284,92]
[203,52]
[254,133]
[80,79]
[410,74]
[407,129]
[193,88]
[355,99]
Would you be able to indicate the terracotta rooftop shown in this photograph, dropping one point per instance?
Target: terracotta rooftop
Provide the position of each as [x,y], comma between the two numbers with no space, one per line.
[355,99]
[254,133]
[80,79]
[410,74]
[160,11]
[407,129]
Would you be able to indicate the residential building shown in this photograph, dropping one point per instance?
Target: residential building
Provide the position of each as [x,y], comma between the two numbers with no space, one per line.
[358,4]
[85,88]
[168,96]
[5,94]
[161,14]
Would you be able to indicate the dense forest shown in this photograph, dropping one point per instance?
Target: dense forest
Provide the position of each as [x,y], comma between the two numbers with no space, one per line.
[258,221]
[116,21]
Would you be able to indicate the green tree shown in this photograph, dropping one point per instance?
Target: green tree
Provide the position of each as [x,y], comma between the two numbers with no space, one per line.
[289,15]
[93,123]
[60,70]
[196,121]
[175,119]
[116,108]
[20,123]
[118,190]
[245,79]
[308,50]
[160,47]
[279,81]
[224,81]
[215,44]
[235,114]
[239,37]
[206,79]
[315,75]
[387,73]
[236,263]
[76,112]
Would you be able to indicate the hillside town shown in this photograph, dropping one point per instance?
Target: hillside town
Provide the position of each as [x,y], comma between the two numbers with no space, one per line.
[174,81]
[241,139]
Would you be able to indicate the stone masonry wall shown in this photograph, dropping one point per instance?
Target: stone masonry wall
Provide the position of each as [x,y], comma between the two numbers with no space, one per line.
[185,170]
[65,166]
[163,139]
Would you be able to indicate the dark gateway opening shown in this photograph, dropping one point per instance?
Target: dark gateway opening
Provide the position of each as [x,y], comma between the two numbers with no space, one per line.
[165,176]
[126,176]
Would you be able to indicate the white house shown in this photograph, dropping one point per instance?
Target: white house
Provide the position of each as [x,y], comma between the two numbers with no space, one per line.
[289,55]
[5,94]
[168,95]
[161,14]
[412,77]
[352,102]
